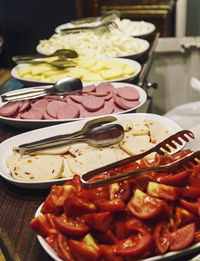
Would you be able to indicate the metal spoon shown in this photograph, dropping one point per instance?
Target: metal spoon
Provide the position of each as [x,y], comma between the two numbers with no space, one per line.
[62,53]
[97,137]
[61,87]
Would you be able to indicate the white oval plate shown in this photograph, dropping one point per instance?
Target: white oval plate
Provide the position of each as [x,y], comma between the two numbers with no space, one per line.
[6,147]
[166,257]
[131,28]
[43,123]
[133,63]
[133,55]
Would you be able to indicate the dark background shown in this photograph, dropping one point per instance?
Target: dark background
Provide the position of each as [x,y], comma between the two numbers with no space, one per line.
[24,23]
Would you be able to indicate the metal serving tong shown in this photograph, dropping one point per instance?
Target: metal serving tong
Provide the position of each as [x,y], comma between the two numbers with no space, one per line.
[92,132]
[62,87]
[164,146]
[108,17]
[97,29]
[61,53]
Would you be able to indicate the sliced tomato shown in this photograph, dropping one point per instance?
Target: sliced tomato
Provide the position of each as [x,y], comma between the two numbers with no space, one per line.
[197,236]
[190,192]
[191,206]
[101,193]
[179,179]
[133,224]
[71,226]
[120,229]
[54,202]
[107,238]
[160,237]
[41,225]
[52,241]
[163,191]
[144,206]
[114,205]
[62,248]
[136,246]
[102,221]
[121,190]
[184,217]
[140,183]
[182,237]
[75,205]
[83,251]
[75,182]
[109,253]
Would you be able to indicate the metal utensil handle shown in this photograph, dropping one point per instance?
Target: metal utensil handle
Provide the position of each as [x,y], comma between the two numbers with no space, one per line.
[24,95]
[23,149]
[170,167]
[93,123]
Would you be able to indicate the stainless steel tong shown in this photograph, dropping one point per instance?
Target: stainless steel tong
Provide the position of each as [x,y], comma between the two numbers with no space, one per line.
[107,17]
[98,29]
[61,140]
[62,87]
[164,146]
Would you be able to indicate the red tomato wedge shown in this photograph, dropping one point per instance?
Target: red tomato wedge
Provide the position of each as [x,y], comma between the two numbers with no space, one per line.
[54,202]
[41,225]
[114,205]
[62,248]
[71,226]
[102,221]
[109,253]
[190,192]
[76,205]
[178,179]
[182,237]
[137,245]
[83,251]
[163,191]
[160,237]
[190,206]
[144,206]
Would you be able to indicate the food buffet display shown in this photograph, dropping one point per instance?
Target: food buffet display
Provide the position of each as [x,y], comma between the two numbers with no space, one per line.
[149,217]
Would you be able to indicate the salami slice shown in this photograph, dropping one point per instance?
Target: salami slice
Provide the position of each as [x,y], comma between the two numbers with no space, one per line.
[40,105]
[76,98]
[92,103]
[125,104]
[89,88]
[32,114]
[9,108]
[68,111]
[105,86]
[23,105]
[46,116]
[53,107]
[128,93]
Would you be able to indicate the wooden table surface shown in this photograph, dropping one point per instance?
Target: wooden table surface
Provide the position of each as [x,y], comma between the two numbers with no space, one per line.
[18,241]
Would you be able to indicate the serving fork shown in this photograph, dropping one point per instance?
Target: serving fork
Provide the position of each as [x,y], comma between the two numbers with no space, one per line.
[161,148]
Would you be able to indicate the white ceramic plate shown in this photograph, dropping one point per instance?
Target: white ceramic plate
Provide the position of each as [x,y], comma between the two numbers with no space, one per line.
[133,63]
[129,55]
[131,28]
[6,147]
[166,257]
[43,123]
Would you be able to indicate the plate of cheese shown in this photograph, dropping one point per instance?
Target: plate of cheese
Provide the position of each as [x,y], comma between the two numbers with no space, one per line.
[142,131]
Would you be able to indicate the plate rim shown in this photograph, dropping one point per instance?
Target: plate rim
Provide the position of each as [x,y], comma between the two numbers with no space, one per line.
[6,148]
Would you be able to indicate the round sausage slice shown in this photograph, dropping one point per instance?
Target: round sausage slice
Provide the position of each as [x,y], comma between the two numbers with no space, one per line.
[92,103]
[125,104]
[32,114]
[128,93]
[9,108]
[68,111]
[53,107]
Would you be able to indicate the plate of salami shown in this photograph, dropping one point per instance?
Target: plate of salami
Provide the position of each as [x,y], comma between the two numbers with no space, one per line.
[96,99]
